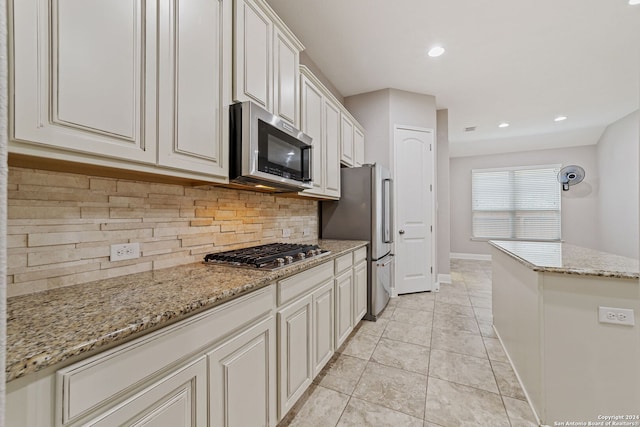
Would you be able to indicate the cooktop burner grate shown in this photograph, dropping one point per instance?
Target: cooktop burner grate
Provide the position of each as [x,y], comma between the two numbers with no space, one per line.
[269,256]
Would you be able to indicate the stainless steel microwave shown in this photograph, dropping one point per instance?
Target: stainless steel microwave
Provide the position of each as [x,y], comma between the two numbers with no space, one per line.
[267,153]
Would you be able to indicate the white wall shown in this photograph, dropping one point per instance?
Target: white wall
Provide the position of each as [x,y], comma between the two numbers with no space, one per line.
[443,211]
[579,204]
[617,154]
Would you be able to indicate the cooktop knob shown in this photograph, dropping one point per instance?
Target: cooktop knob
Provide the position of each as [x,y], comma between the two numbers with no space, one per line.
[300,255]
[280,262]
[288,259]
[311,252]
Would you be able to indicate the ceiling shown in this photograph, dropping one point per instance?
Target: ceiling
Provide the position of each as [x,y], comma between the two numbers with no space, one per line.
[521,62]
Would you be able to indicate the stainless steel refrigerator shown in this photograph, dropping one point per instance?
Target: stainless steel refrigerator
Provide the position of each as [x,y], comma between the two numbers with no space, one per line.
[365,212]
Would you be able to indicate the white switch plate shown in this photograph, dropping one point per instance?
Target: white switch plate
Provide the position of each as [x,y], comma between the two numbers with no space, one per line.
[617,316]
[125,251]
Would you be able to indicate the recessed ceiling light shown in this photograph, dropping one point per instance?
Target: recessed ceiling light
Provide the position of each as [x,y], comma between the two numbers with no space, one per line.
[561,118]
[634,2]
[503,125]
[436,51]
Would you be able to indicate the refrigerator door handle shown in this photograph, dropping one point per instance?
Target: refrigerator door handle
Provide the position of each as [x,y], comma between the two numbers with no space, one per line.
[387,211]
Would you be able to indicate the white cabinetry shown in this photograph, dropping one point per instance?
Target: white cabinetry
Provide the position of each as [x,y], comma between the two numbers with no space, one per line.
[344,298]
[352,143]
[129,85]
[242,378]
[265,60]
[359,284]
[320,119]
[323,326]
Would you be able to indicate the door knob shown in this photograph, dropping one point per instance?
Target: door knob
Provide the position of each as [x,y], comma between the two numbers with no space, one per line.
[401,231]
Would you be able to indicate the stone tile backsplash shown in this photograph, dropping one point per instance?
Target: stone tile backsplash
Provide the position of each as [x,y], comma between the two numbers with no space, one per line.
[61,225]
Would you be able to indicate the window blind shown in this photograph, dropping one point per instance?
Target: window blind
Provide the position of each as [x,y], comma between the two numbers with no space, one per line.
[516,203]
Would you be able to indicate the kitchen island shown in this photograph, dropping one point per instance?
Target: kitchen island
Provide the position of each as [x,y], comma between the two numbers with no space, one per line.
[546,299]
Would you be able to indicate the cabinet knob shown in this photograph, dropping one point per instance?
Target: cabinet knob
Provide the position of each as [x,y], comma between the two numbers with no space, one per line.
[401,231]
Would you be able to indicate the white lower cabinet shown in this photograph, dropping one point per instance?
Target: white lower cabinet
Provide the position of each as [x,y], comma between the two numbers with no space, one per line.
[359,291]
[323,326]
[178,399]
[344,306]
[242,378]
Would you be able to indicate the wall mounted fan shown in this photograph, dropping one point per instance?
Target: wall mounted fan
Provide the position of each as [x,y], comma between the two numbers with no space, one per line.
[570,175]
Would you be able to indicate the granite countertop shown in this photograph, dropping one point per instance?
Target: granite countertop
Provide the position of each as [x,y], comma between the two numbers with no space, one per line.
[556,257]
[46,328]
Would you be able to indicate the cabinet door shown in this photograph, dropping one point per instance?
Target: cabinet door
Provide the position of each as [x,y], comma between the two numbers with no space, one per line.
[359,292]
[285,77]
[194,56]
[252,54]
[323,326]
[84,77]
[178,399]
[344,306]
[358,147]
[295,346]
[311,105]
[242,378]
[346,150]
[332,147]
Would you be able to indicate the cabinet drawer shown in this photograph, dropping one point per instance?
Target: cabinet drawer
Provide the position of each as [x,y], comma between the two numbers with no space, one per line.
[343,262]
[359,255]
[301,283]
[104,378]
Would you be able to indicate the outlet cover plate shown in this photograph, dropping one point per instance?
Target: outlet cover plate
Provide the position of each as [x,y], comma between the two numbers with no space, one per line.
[616,316]
[125,251]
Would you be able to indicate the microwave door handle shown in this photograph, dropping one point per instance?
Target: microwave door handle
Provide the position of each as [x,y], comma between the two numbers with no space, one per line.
[304,150]
[387,212]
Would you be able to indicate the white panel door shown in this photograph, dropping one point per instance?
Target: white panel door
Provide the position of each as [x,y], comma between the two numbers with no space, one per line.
[295,351]
[323,326]
[179,399]
[346,151]
[344,306]
[84,76]
[414,171]
[332,146]
[285,78]
[253,34]
[242,378]
[195,54]
[311,123]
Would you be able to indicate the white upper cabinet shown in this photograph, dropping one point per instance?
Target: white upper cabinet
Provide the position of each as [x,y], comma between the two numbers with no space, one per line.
[194,63]
[84,77]
[352,144]
[320,119]
[358,147]
[135,85]
[265,60]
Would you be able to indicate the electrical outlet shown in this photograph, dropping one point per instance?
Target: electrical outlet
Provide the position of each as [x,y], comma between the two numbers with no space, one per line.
[617,316]
[125,251]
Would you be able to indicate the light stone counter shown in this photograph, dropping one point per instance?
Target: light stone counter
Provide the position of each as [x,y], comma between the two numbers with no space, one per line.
[555,257]
[47,328]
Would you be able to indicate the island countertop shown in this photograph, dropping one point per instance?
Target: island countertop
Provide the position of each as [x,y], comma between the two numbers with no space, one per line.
[563,258]
[46,328]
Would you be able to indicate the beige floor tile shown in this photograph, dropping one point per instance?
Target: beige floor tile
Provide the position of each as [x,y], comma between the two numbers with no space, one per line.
[373,328]
[422,302]
[483,314]
[453,298]
[480,293]
[486,330]
[409,315]
[342,373]
[393,302]
[507,380]
[495,350]
[322,408]
[410,357]
[454,309]
[408,332]
[519,413]
[458,342]
[481,302]
[445,322]
[452,405]
[360,413]
[360,345]
[393,388]
[387,312]
[462,369]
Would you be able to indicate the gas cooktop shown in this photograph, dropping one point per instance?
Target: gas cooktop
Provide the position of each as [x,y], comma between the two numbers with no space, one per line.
[267,257]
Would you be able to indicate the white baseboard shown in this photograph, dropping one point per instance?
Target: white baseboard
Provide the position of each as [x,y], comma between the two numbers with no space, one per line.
[444,278]
[476,257]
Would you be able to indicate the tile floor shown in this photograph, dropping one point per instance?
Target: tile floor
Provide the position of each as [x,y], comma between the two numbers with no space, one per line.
[432,359]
